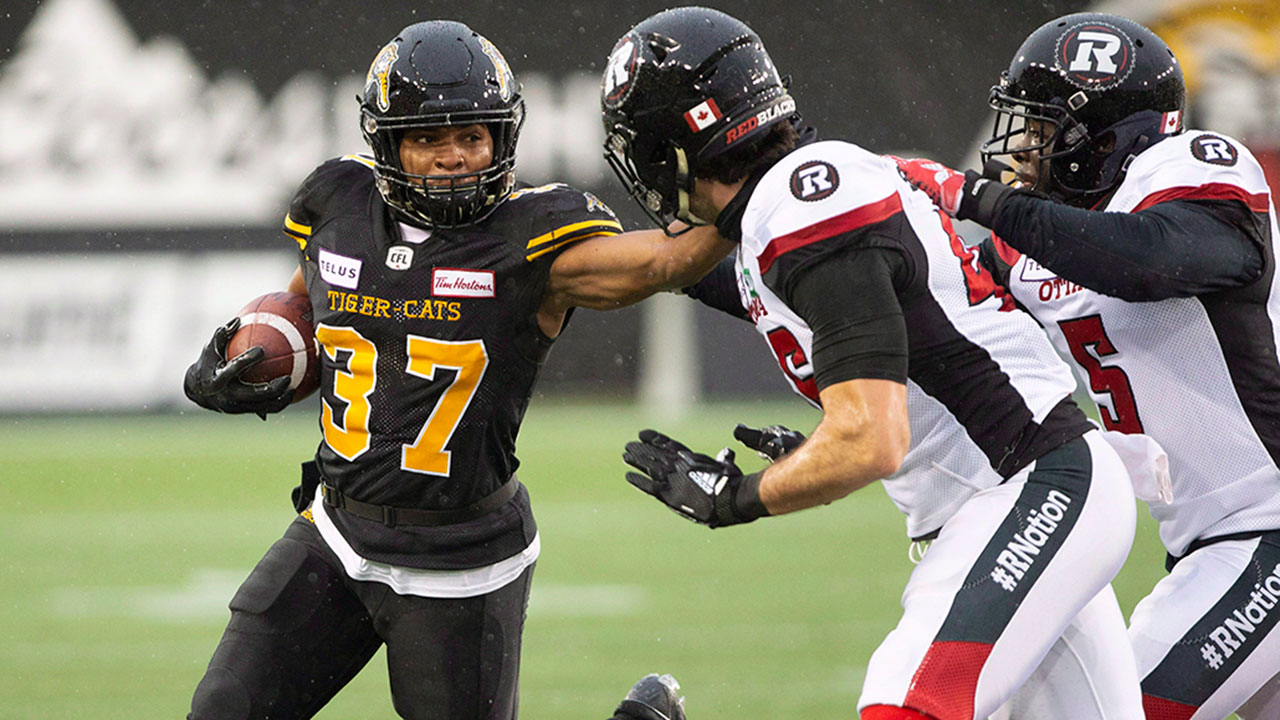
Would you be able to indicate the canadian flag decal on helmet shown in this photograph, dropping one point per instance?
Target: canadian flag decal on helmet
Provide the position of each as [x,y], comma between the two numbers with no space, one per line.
[702,115]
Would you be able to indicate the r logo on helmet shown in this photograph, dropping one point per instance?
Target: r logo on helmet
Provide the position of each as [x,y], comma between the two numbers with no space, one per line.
[379,71]
[619,72]
[1095,56]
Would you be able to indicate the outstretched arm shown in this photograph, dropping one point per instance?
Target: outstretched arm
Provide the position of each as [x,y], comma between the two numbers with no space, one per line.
[1178,248]
[1174,249]
[608,272]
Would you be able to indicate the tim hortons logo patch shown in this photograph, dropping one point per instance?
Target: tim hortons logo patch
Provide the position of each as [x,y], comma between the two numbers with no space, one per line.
[1214,150]
[814,181]
[452,282]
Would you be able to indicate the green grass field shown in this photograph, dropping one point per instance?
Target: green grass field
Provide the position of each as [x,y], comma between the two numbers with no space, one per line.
[122,539]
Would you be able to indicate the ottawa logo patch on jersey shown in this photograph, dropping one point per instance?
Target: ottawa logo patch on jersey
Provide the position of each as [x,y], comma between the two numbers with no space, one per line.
[1095,55]
[619,72]
[814,181]
[1214,150]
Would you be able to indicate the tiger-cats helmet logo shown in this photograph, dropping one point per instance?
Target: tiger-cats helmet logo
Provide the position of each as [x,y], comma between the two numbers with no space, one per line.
[506,80]
[379,72]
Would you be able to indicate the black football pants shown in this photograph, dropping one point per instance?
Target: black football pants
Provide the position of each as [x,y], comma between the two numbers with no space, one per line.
[301,629]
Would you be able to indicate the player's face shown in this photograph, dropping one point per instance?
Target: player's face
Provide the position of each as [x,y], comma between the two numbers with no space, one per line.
[447,150]
[1030,166]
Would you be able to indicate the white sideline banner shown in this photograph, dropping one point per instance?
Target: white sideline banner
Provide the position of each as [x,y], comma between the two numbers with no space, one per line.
[117,332]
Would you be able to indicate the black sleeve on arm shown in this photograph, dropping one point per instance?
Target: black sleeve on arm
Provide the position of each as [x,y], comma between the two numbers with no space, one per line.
[1179,248]
[849,301]
[719,289]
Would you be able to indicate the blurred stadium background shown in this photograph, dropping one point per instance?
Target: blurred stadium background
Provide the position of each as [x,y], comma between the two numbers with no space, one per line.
[146,154]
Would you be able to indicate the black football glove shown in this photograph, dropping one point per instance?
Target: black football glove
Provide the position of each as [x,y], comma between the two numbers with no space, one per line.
[709,491]
[214,383]
[770,442]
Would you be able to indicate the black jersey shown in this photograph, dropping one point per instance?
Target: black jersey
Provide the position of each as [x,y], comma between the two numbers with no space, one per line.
[430,348]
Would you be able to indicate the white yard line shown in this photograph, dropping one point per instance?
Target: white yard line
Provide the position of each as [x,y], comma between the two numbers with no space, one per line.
[204,595]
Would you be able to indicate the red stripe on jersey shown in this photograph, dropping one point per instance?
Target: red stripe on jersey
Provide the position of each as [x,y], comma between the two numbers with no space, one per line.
[947,679]
[1004,250]
[1155,708]
[890,712]
[1208,191]
[858,217]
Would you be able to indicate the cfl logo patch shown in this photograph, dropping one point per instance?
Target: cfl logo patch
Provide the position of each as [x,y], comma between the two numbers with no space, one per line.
[399,257]
[814,181]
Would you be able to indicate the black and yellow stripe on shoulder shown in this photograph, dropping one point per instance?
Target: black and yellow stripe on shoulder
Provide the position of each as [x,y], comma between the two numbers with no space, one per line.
[362,158]
[572,232]
[296,230]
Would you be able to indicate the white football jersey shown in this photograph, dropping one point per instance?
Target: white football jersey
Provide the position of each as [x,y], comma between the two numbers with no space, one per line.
[986,391]
[1198,374]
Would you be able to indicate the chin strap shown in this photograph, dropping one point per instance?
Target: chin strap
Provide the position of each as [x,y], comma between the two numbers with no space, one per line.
[684,186]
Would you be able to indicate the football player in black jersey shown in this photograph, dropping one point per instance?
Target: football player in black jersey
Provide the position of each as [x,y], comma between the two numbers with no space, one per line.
[1147,252]
[438,285]
[927,378]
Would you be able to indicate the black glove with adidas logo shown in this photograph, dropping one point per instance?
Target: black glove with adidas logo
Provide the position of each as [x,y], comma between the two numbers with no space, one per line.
[709,491]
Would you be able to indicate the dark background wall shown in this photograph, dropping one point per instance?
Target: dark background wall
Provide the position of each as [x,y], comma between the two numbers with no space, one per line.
[901,74]
[892,76]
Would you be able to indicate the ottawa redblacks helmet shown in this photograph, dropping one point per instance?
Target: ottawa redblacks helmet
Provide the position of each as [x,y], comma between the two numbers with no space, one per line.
[1105,86]
[434,74]
[684,86]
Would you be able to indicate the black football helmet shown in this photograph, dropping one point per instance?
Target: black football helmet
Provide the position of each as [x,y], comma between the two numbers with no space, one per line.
[1109,87]
[432,74]
[681,87]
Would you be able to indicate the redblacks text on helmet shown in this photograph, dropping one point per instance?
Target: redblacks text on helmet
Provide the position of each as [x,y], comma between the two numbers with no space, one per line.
[764,117]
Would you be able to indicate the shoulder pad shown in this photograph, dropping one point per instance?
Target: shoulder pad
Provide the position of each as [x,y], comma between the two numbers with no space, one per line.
[559,214]
[315,194]
[1195,165]
[828,183]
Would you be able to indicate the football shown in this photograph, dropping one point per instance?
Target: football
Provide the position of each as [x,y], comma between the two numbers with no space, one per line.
[280,322]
